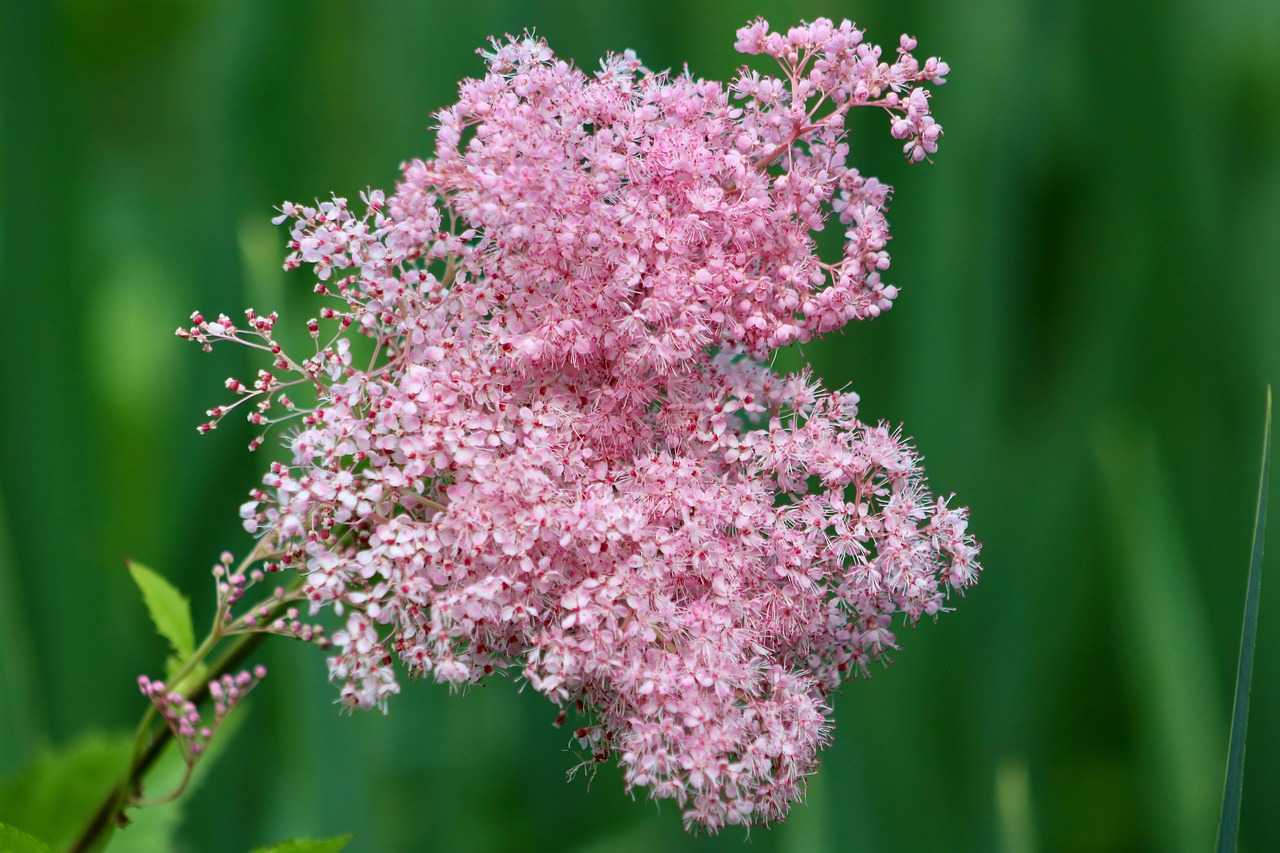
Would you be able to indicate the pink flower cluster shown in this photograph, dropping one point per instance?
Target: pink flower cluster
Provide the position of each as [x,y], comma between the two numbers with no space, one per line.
[560,453]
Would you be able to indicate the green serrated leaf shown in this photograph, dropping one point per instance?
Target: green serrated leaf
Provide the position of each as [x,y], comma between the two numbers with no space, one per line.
[16,841]
[55,795]
[169,609]
[1233,788]
[306,845]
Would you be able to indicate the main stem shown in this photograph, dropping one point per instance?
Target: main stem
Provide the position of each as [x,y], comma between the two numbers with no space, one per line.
[111,812]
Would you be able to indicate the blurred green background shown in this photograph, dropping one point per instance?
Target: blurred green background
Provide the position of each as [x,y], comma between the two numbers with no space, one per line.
[1090,314]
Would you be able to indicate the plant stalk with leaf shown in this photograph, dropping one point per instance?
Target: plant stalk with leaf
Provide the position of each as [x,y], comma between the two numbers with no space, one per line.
[191,681]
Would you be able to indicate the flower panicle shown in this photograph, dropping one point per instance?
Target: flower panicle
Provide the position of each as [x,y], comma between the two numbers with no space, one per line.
[567,458]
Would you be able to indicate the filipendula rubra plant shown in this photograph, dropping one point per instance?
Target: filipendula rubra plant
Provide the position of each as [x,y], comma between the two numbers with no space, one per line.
[567,458]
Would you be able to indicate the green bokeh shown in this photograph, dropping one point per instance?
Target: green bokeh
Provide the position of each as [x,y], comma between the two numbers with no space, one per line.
[1090,313]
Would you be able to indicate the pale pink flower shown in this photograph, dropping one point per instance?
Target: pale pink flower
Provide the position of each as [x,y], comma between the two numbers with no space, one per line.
[567,459]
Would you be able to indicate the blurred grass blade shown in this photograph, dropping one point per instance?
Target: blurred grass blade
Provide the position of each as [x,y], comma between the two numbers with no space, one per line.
[1013,806]
[1229,824]
[306,845]
[1164,638]
[21,712]
[806,830]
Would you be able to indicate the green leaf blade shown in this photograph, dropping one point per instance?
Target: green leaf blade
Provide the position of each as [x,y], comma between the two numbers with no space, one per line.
[1233,787]
[170,610]
[54,796]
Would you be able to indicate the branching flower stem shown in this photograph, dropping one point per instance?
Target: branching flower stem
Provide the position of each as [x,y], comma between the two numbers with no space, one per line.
[150,742]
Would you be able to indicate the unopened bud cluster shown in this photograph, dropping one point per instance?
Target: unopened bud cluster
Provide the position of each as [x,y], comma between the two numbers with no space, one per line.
[190,733]
[564,455]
